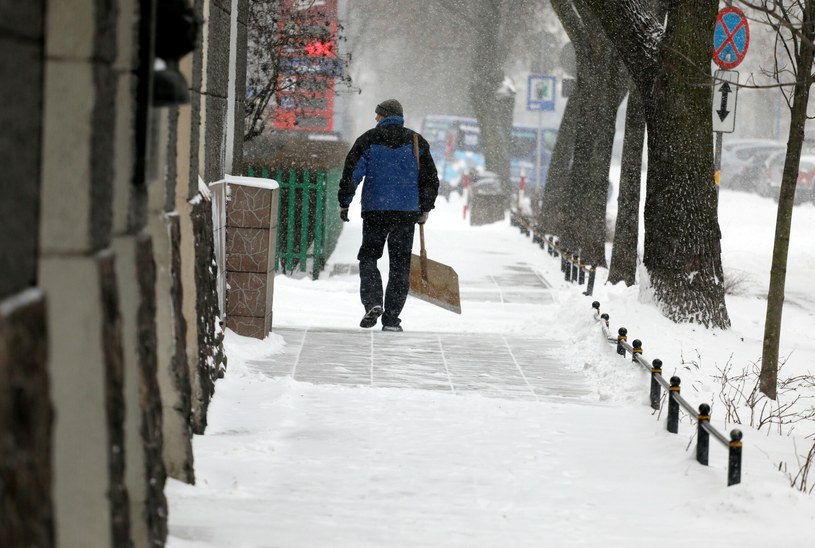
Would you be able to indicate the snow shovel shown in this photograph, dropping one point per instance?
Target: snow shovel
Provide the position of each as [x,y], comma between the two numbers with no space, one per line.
[433,282]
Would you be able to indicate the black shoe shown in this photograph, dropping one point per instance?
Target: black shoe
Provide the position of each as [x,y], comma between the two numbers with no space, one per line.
[396,328]
[370,317]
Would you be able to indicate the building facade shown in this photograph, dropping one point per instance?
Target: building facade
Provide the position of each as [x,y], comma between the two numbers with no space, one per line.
[116,114]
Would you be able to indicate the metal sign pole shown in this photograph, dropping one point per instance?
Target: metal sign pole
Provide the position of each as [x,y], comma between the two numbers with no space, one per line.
[538,152]
[717,159]
[540,97]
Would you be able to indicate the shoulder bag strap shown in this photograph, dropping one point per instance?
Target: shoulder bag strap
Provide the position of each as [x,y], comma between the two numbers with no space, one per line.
[416,149]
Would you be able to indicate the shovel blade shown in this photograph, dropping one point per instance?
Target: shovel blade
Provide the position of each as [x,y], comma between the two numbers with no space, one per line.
[437,285]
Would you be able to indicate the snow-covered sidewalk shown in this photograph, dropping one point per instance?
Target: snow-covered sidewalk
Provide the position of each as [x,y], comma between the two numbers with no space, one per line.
[286,462]
[294,464]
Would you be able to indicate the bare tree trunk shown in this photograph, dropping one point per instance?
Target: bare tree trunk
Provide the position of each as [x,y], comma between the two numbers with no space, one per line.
[588,189]
[683,239]
[553,214]
[626,231]
[599,92]
[606,77]
[595,139]
[768,378]
[671,65]
[489,106]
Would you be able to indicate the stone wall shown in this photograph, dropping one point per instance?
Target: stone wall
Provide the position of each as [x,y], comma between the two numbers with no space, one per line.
[108,306]
[21,67]
[179,280]
[211,357]
[153,505]
[76,272]
[212,138]
[26,417]
[218,191]
[239,90]
[26,413]
[114,402]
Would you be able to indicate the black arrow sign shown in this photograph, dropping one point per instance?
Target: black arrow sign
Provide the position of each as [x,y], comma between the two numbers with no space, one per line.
[723,112]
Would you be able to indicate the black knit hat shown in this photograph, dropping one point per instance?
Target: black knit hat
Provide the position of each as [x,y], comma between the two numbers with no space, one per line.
[389,107]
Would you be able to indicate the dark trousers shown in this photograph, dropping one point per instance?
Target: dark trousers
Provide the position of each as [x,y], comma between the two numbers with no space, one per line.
[395,227]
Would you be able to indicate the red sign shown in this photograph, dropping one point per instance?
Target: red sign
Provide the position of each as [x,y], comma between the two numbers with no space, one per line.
[305,100]
[731,37]
[317,48]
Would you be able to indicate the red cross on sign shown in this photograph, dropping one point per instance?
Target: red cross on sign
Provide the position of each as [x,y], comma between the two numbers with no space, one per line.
[316,48]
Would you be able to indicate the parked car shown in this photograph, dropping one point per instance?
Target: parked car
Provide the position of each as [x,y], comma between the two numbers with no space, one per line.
[744,162]
[804,187]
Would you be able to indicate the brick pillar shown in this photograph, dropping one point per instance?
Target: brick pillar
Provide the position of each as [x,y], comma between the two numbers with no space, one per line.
[251,235]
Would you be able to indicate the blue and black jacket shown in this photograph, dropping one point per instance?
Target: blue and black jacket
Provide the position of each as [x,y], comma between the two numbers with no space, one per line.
[384,157]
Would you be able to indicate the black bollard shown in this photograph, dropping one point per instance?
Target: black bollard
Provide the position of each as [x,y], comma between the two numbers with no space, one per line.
[605,318]
[734,459]
[550,247]
[581,277]
[656,389]
[702,435]
[567,268]
[636,349]
[621,338]
[673,406]
[590,286]
[575,267]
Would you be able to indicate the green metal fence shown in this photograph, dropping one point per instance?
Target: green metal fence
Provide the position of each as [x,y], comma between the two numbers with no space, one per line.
[308,223]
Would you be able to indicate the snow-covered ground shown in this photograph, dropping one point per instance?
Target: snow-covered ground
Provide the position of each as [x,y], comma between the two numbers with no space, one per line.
[286,463]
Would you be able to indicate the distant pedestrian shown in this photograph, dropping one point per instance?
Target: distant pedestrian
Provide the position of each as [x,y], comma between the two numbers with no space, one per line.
[399,190]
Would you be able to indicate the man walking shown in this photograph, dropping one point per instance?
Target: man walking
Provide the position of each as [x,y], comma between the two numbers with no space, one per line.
[399,190]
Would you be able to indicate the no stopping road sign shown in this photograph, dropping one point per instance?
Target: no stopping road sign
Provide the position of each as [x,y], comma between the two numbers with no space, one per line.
[731,37]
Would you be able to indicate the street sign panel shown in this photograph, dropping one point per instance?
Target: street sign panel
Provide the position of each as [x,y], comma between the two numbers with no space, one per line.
[725,90]
[540,93]
[731,37]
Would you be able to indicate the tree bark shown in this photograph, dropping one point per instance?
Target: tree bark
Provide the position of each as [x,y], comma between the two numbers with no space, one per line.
[598,95]
[489,107]
[605,77]
[671,66]
[623,266]
[768,378]
[554,214]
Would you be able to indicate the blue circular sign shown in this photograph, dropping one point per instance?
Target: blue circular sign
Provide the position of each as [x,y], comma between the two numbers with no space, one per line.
[731,36]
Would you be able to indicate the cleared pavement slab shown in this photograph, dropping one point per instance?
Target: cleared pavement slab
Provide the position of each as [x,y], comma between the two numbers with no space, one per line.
[493,365]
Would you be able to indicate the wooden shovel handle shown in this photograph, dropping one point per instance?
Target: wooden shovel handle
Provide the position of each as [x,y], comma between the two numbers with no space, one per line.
[423,252]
